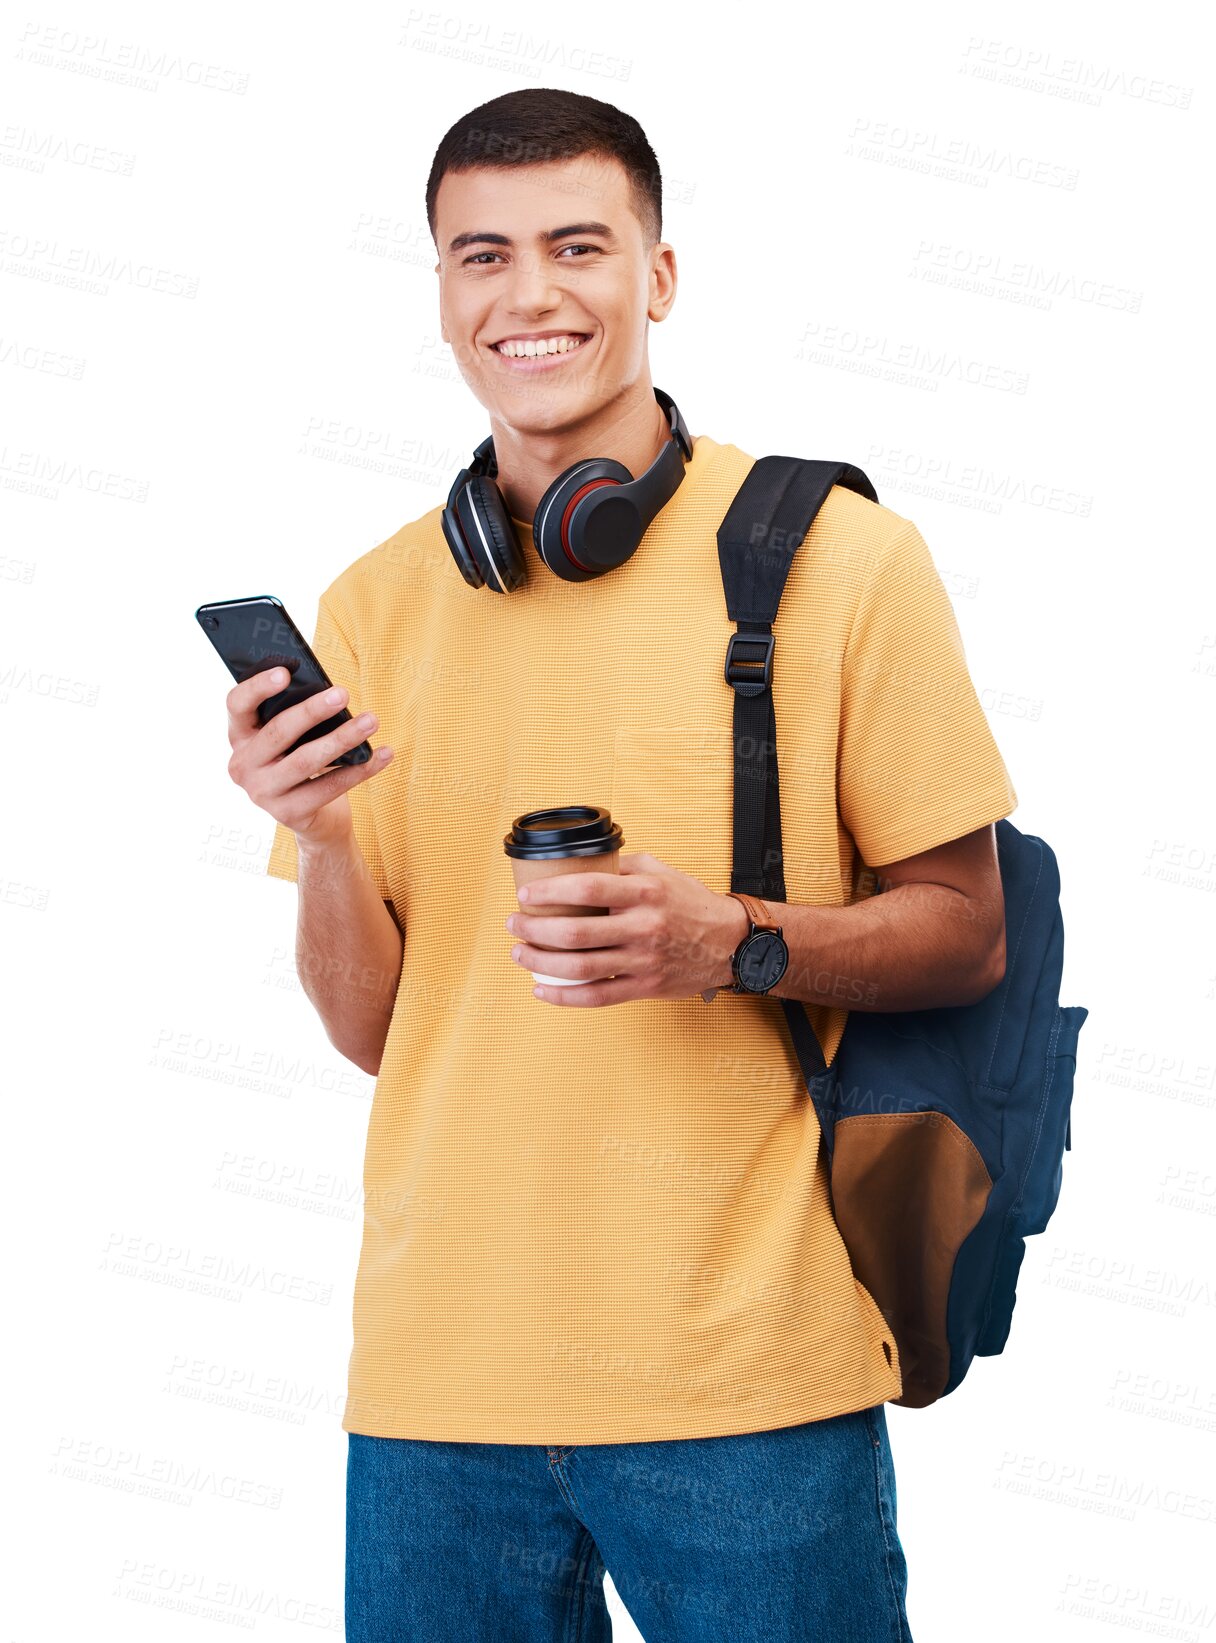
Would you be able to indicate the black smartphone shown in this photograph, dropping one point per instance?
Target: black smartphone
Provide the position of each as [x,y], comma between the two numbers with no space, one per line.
[252,635]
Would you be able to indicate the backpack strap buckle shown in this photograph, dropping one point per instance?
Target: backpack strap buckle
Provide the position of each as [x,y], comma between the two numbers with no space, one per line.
[749,673]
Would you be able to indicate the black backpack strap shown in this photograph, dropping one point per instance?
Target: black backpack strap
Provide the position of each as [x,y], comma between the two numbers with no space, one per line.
[764,526]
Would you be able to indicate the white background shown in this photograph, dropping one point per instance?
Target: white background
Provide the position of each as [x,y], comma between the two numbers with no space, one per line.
[964,250]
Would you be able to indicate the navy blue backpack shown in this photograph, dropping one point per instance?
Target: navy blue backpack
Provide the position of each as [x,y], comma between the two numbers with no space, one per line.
[944,1130]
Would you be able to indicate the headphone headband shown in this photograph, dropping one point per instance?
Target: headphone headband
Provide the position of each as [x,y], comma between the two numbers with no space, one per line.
[485,464]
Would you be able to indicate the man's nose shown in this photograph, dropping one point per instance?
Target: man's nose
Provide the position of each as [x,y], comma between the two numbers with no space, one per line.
[534,285]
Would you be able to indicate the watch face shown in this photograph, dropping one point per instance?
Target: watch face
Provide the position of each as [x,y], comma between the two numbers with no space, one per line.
[763,960]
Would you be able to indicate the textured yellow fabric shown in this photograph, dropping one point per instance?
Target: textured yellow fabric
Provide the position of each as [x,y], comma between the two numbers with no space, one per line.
[612,1224]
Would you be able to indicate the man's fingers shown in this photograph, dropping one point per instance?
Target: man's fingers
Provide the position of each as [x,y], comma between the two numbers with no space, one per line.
[298,804]
[297,776]
[315,755]
[243,699]
[284,728]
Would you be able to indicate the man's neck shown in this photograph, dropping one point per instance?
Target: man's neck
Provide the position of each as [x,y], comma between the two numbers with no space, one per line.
[529,462]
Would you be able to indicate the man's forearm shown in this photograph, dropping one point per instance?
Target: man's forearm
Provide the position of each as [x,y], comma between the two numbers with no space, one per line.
[913,947]
[348,949]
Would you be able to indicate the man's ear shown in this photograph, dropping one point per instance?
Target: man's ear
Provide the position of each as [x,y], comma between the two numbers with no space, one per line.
[662,282]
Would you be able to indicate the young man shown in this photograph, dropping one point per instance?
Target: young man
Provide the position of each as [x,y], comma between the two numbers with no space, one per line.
[603,1315]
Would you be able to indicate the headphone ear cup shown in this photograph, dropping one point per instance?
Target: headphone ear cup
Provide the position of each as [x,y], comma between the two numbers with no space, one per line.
[584,525]
[490,535]
[453,531]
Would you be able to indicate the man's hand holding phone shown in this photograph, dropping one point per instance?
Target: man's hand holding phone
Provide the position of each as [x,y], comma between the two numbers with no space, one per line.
[290,786]
[297,753]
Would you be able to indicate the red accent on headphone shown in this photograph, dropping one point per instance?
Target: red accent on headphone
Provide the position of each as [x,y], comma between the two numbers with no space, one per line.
[591,485]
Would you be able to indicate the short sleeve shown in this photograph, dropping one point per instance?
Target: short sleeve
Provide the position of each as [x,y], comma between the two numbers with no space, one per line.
[334,652]
[918,763]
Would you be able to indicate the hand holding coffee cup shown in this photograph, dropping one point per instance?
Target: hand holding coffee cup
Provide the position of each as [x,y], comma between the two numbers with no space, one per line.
[572,838]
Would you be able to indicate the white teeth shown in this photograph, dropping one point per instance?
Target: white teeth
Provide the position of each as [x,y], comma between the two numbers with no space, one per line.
[530,348]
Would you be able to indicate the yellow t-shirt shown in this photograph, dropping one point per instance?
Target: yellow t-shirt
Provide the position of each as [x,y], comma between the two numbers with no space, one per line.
[612,1224]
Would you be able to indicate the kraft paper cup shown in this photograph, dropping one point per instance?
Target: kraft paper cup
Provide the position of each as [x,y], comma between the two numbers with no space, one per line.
[573,838]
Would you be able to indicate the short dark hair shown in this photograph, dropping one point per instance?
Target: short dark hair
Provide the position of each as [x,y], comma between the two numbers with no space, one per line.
[542,123]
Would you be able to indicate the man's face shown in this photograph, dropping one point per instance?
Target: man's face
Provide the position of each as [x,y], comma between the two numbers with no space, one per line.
[548,251]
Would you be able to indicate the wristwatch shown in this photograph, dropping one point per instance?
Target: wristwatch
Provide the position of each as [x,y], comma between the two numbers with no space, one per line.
[759,961]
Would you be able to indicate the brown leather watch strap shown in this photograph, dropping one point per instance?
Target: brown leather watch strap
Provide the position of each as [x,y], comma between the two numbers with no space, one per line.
[755,910]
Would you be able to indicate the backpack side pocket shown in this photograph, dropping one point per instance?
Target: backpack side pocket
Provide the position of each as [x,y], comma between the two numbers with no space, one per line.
[1045,1168]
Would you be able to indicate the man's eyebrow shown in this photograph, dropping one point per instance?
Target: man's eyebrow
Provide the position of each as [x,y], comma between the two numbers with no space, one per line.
[600,228]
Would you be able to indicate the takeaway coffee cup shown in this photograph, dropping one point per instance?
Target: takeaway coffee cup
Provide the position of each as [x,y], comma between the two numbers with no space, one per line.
[573,838]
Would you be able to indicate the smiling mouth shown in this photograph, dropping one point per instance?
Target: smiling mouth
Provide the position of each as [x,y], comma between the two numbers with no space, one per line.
[539,353]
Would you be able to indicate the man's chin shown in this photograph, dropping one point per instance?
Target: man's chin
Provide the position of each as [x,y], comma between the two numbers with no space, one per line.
[539,407]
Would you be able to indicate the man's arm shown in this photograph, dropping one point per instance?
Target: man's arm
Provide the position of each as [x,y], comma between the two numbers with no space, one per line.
[933,934]
[349,948]
[349,938]
[917,763]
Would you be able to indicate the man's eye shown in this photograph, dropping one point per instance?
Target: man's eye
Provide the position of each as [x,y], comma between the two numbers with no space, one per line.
[478,255]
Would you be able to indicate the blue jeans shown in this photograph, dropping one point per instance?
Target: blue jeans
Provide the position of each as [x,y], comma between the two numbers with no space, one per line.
[779,1535]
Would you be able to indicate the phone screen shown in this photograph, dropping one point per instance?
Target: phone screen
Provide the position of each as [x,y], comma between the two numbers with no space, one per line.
[252,635]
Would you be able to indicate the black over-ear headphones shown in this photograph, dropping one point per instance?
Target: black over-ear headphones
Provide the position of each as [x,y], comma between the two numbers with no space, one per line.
[589,521]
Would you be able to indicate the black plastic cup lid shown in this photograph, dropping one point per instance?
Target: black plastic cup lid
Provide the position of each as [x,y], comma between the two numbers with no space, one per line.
[567,830]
